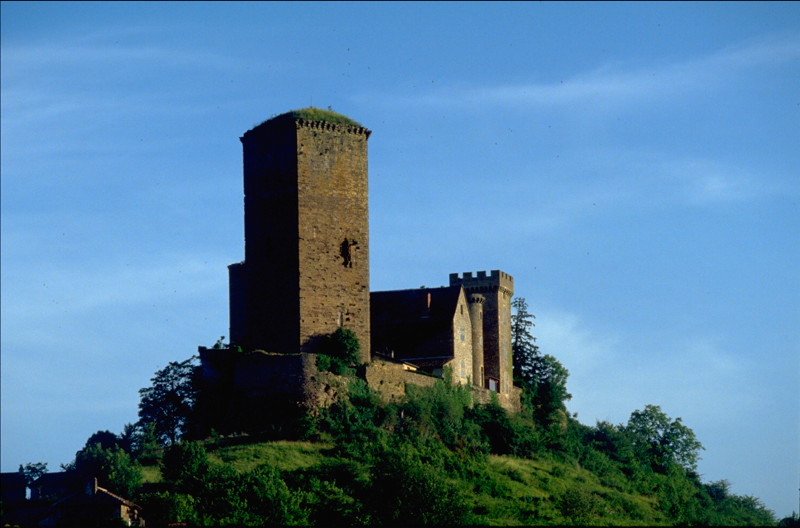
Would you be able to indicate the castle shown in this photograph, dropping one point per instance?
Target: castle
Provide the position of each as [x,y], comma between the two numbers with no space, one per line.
[306,273]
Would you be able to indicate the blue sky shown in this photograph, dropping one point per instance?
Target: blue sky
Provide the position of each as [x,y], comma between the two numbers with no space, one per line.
[634,166]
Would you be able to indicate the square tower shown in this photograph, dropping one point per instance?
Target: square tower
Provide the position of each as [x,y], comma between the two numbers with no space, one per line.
[306,267]
[496,290]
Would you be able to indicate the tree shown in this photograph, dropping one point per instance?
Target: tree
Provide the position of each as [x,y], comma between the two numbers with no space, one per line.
[338,351]
[185,464]
[550,388]
[106,439]
[169,402]
[525,351]
[543,377]
[32,471]
[663,442]
[141,442]
[112,467]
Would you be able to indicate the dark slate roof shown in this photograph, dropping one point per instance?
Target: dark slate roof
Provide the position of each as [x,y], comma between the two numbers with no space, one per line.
[413,306]
[13,487]
[66,479]
[413,323]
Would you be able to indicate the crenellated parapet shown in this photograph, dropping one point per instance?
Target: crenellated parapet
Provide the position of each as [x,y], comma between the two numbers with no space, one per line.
[481,282]
[323,125]
[312,118]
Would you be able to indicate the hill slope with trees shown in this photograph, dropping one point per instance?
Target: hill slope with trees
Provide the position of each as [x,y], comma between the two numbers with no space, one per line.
[434,459]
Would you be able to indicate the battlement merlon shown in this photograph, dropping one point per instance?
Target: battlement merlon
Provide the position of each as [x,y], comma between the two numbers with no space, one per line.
[496,279]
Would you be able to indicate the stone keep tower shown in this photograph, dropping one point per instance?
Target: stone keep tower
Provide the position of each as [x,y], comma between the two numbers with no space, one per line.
[306,266]
[496,291]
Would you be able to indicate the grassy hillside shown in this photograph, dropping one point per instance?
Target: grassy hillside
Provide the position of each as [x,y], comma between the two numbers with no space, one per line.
[437,459]
[513,491]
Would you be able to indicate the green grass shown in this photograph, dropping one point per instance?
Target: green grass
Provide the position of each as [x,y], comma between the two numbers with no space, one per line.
[151,474]
[284,455]
[522,491]
[513,491]
[318,114]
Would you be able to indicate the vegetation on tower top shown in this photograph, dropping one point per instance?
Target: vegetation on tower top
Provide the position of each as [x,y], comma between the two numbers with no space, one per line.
[318,114]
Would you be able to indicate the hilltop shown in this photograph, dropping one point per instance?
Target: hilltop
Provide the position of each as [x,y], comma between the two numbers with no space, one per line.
[436,458]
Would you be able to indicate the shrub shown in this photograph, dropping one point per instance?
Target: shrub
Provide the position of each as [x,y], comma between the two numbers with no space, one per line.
[184,465]
[168,507]
[409,491]
[578,505]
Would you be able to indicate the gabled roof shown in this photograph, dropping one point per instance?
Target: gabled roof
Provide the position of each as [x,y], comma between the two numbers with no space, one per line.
[414,323]
[421,305]
[66,479]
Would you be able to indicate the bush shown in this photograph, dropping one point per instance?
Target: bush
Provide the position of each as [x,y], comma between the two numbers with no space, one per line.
[184,465]
[408,490]
[168,507]
[578,505]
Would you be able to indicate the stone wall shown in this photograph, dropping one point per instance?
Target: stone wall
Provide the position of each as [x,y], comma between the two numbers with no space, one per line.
[509,401]
[264,288]
[253,391]
[333,230]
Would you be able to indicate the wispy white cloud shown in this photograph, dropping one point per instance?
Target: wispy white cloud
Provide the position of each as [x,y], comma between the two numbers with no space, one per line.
[636,180]
[612,374]
[18,59]
[615,83]
[54,289]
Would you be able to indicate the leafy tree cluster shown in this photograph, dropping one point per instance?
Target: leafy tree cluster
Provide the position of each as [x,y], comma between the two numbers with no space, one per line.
[111,460]
[32,471]
[168,403]
[212,494]
[542,377]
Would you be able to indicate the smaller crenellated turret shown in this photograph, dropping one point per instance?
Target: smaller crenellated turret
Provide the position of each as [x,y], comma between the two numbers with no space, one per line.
[497,288]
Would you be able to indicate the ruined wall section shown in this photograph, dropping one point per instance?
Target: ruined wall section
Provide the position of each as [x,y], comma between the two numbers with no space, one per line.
[333,231]
[510,401]
[390,378]
[253,391]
